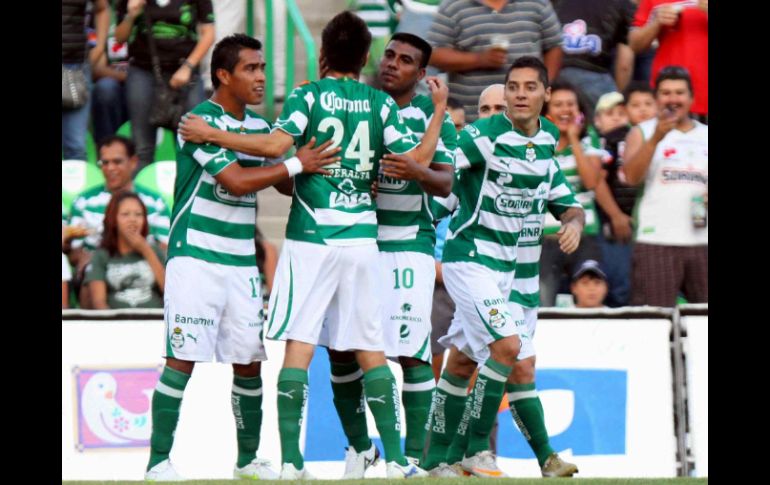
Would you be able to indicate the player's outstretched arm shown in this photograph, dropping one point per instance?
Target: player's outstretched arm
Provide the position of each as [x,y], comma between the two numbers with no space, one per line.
[424,152]
[195,129]
[434,180]
[240,180]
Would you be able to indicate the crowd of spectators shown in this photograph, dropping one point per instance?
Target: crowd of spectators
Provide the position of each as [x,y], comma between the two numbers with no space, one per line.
[629,96]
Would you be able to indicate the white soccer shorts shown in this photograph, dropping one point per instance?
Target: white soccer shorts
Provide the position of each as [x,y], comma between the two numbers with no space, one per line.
[213,309]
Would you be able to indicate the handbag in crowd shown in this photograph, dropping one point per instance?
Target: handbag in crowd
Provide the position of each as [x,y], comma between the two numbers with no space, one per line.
[168,104]
[74,90]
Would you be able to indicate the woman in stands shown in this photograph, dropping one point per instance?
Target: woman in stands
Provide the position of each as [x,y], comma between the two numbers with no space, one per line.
[182,31]
[126,271]
[578,153]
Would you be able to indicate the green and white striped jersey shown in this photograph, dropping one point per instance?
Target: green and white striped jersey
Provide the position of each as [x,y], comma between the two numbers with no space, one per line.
[89,207]
[558,197]
[508,181]
[591,146]
[337,209]
[208,222]
[445,206]
[403,208]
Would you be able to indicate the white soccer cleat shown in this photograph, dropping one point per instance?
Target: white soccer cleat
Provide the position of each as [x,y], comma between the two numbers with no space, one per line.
[410,470]
[289,472]
[444,470]
[357,463]
[458,468]
[163,472]
[258,469]
[483,464]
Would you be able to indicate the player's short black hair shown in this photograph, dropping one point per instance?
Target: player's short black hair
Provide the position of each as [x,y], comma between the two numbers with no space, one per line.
[418,43]
[227,53]
[532,62]
[345,42]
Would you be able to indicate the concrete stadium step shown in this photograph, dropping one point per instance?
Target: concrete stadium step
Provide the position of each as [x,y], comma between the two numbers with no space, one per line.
[273,214]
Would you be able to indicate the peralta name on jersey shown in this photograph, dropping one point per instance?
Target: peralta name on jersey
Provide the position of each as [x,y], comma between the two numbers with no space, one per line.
[331,103]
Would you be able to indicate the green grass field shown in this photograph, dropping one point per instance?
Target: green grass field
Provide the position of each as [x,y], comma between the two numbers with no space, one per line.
[435,481]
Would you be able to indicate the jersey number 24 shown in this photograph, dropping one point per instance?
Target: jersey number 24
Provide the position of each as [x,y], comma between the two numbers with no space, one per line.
[358,149]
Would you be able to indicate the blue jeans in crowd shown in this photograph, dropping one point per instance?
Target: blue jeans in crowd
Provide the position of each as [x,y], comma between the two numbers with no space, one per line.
[591,85]
[643,65]
[108,108]
[616,263]
[74,122]
[140,88]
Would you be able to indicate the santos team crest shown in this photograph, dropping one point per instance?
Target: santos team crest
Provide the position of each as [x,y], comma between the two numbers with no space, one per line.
[496,319]
[530,152]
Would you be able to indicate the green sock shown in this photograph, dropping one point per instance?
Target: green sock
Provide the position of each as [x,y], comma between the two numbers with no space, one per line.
[246,399]
[382,397]
[460,440]
[445,412]
[490,385]
[348,390]
[166,401]
[527,412]
[417,395]
[292,396]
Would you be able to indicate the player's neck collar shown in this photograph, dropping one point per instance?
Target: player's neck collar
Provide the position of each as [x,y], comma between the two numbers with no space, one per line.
[520,131]
[227,112]
[342,76]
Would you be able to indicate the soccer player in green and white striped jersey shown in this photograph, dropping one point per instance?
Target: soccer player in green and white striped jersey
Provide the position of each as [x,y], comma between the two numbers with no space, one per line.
[556,197]
[526,408]
[511,164]
[406,237]
[522,395]
[329,268]
[212,293]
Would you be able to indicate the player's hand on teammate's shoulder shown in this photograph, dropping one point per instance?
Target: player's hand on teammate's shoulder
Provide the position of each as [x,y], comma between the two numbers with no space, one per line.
[315,158]
[194,129]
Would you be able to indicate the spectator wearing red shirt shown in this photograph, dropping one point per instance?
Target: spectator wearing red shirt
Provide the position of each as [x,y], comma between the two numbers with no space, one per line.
[682,30]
